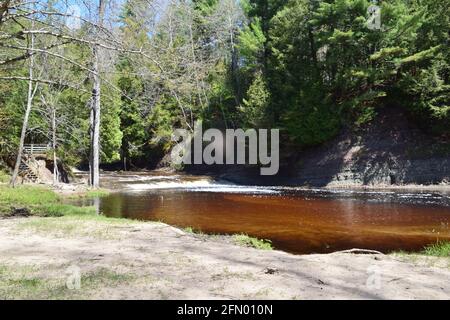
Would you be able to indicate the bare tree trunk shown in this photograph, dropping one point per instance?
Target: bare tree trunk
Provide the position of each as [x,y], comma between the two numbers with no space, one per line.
[96,109]
[91,136]
[55,159]
[30,96]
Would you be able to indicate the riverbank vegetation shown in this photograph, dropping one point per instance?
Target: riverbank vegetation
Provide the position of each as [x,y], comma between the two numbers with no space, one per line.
[307,67]
[4,176]
[440,249]
[247,241]
[39,201]
[90,193]
[239,239]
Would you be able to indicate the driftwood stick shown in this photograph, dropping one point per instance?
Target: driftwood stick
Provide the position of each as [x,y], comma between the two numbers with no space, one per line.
[360,251]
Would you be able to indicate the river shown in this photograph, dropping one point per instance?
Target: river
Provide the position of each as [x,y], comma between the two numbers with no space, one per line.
[296,220]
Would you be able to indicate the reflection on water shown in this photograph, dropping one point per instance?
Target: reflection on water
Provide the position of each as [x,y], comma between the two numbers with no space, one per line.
[296,220]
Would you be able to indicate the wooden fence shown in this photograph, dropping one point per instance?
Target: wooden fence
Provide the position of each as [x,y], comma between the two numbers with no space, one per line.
[36,148]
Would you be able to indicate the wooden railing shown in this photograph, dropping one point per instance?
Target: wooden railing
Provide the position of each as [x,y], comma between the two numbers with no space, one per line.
[36,148]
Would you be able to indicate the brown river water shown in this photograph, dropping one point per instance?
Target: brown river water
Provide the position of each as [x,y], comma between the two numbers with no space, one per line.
[296,220]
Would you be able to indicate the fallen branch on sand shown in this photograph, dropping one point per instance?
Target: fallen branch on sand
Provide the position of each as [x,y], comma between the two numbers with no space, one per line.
[360,251]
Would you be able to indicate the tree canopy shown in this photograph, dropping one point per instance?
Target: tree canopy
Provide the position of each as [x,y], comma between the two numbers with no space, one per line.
[307,67]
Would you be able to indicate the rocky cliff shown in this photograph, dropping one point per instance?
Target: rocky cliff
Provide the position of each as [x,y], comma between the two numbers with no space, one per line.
[391,150]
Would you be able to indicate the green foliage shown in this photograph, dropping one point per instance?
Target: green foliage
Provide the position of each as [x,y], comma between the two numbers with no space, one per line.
[164,117]
[308,67]
[75,146]
[251,44]
[254,107]
[12,102]
[26,195]
[223,95]
[192,230]
[4,176]
[132,124]
[311,124]
[440,249]
[246,241]
[91,194]
[41,201]
[205,7]
[429,93]
[60,210]
[100,193]
[110,133]
[329,69]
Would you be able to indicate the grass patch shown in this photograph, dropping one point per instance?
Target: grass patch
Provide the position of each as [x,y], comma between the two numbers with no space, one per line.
[4,176]
[40,201]
[36,283]
[59,210]
[92,226]
[191,230]
[27,195]
[62,219]
[239,239]
[104,276]
[247,241]
[99,193]
[440,249]
[90,194]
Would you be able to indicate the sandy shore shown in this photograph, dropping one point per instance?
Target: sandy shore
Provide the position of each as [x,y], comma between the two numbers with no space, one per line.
[121,259]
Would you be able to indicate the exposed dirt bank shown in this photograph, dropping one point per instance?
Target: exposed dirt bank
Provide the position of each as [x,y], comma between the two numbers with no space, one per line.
[121,259]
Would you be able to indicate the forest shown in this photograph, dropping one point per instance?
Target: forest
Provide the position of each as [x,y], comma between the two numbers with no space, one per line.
[106,82]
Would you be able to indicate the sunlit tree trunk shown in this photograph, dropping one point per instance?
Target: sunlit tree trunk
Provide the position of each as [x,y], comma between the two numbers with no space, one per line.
[30,95]
[95,121]
[96,109]
[55,159]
